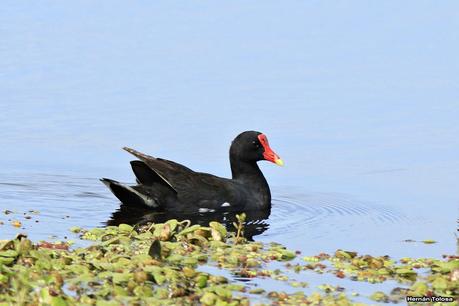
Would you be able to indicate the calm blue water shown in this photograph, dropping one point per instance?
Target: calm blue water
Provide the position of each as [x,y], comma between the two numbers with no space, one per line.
[360,99]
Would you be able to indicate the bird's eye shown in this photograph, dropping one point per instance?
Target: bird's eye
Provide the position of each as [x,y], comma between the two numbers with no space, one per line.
[256,144]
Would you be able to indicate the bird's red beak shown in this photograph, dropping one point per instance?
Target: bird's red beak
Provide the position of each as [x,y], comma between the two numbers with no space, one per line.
[269,153]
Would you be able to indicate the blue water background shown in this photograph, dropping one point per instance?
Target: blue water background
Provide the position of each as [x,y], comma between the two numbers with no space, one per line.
[360,99]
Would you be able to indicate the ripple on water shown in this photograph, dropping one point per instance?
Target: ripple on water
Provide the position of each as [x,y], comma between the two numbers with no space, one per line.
[66,200]
[321,213]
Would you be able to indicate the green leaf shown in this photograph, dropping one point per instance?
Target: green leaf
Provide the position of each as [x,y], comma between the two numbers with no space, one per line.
[218,227]
[158,277]
[6,260]
[379,297]
[257,291]
[404,271]
[58,301]
[8,253]
[440,283]
[189,229]
[287,255]
[107,303]
[75,229]
[345,254]
[172,224]
[419,289]
[208,298]
[201,281]
[118,278]
[125,228]
[223,292]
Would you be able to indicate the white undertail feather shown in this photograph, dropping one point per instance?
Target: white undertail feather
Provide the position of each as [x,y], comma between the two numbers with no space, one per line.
[205,210]
[147,200]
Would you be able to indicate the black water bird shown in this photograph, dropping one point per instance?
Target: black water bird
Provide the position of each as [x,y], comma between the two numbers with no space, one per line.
[168,186]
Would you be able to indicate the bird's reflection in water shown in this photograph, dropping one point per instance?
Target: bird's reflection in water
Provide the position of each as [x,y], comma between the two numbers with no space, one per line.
[256,221]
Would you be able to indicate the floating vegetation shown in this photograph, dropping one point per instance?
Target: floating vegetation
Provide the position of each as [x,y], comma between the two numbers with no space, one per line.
[161,264]
[426,241]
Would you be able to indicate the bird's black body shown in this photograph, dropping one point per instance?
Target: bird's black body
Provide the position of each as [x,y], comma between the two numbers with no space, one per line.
[166,185]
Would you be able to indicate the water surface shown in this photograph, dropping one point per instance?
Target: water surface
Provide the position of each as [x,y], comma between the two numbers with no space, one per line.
[361,101]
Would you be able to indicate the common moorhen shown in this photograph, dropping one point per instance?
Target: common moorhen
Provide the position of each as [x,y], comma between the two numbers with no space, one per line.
[167,185]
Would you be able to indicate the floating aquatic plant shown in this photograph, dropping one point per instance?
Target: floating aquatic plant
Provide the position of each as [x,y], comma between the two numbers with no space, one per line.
[160,264]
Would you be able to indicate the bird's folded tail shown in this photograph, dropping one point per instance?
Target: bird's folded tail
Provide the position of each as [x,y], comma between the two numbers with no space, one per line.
[147,176]
[128,195]
[148,163]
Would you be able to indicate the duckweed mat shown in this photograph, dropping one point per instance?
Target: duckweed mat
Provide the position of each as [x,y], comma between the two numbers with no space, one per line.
[165,264]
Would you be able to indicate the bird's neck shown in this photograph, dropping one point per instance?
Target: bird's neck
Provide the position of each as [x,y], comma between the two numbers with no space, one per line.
[250,174]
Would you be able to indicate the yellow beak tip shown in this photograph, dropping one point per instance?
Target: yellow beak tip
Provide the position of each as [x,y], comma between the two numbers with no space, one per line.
[279,162]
